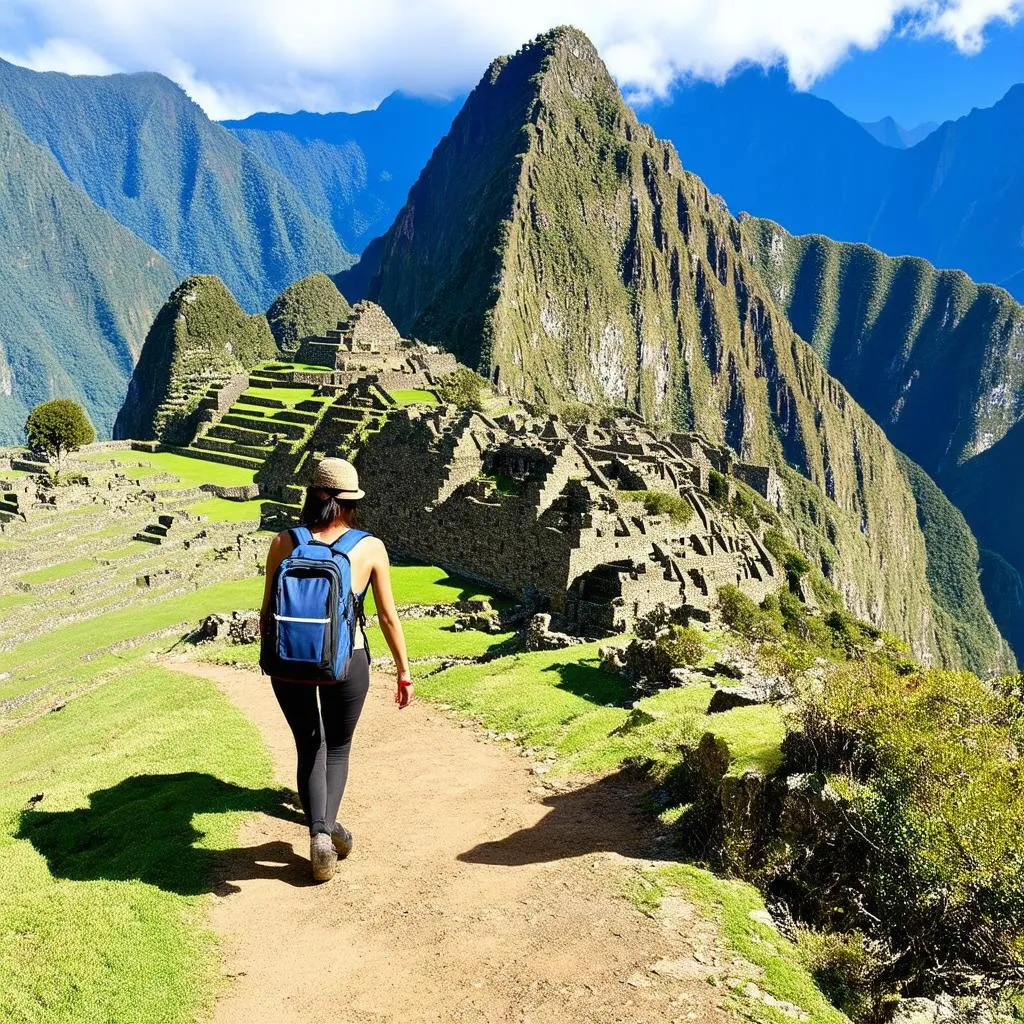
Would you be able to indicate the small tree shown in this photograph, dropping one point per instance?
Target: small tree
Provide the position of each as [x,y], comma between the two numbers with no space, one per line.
[57,428]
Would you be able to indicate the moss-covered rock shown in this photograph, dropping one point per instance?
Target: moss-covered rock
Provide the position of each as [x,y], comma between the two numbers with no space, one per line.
[201,336]
[307,308]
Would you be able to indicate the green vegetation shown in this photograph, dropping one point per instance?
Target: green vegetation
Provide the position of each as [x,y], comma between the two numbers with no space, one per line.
[101,879]
[953,570]
[660,503]
[191,190]
[426,584]
[462,388]
[927,764]
[191,472]
[780,967]
[57,428]
[76,302]
[953,339]
[413,396]
[309,307]
[199,337]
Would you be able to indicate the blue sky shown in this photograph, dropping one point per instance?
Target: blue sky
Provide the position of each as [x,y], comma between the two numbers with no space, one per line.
[915,59]
[917,80]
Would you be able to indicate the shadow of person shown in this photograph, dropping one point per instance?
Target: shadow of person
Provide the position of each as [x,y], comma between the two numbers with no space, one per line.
[602,817]
[147,827]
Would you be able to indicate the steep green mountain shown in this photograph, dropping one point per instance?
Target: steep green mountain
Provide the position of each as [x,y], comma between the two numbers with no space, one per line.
[556,244]
[77,291]
[937,359]
[310,306]
[955,198]
[200,336]
[142,150]
[352,170]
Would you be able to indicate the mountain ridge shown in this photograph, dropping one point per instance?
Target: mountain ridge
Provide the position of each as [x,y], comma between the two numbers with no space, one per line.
[177,180]
[570,204]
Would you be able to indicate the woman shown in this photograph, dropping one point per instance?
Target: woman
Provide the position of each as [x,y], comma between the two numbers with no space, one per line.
[323,728]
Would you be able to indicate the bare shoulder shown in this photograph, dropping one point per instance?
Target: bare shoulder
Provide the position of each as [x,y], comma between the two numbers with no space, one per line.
[375,549]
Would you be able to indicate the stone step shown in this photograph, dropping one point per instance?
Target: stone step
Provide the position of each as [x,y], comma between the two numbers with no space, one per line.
[219,457]
[265,426]
[227,432]
[294,416]
[216,444]
[266,403]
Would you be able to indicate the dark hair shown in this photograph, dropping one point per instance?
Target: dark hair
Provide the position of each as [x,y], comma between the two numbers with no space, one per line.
[321,508]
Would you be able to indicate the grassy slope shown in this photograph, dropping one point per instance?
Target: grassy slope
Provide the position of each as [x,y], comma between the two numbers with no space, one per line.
[77,291]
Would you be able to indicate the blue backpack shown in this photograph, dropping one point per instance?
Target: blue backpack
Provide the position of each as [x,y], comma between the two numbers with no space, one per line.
[314,614]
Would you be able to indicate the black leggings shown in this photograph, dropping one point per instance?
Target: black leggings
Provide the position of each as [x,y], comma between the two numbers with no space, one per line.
[323,737]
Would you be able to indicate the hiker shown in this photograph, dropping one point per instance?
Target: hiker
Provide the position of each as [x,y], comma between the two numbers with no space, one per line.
[314,645]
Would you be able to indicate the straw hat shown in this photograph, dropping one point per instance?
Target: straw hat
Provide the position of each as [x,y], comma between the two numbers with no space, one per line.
[337,475]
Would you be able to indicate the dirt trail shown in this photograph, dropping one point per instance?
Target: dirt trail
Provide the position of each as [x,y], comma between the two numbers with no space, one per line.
[473,894]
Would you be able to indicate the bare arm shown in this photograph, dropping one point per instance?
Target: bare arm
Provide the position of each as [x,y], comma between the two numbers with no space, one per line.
[280,547]
[390,624]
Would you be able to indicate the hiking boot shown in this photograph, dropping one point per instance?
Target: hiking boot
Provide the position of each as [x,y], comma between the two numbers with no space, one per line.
[342,839]
[322,858]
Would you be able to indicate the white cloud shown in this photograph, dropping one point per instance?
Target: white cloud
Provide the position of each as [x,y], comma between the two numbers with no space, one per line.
[67,55]
[237,56]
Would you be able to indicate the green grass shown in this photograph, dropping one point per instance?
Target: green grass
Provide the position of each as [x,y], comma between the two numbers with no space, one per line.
[426,584]
[780,970]
[414,396]
[102,884]
[57,572]
[289,396]
[562,701]
[189,471]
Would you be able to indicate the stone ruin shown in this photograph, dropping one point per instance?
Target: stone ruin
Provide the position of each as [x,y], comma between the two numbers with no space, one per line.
[542,511]
[369,343]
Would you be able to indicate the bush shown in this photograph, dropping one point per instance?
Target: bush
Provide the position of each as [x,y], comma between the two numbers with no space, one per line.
[940,806]
[844,965]
[741,614]
[683,645]
[743,508]
[718,487]
[660,503]
[462,388]
[57,428]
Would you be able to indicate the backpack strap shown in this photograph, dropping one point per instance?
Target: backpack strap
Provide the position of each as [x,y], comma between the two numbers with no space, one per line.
[348,540]
[300,535]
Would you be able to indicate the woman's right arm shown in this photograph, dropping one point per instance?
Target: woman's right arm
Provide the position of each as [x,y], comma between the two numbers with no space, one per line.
[390,624]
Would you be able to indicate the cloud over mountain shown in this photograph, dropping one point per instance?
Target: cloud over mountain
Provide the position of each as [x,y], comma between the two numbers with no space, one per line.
[320,56]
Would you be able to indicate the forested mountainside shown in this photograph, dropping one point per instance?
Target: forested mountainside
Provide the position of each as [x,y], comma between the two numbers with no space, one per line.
[556,244]
[142,150]
[77,290]
[954,198]
[201,336]
[935,358]
[352,170]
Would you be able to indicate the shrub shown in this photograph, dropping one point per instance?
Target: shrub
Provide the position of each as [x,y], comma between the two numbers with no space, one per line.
[660,503]
[743,508]
[941,808]
[844,965]
[718,487]
[462,388]
[683,645]
[57,428]
[741,614]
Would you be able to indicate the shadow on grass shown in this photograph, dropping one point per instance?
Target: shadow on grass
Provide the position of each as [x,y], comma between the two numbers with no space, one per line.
[605,816]
[594,684]
[143,829]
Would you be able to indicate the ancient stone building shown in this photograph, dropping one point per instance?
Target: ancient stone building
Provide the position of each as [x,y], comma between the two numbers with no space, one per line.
[534,508]
[369,343]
